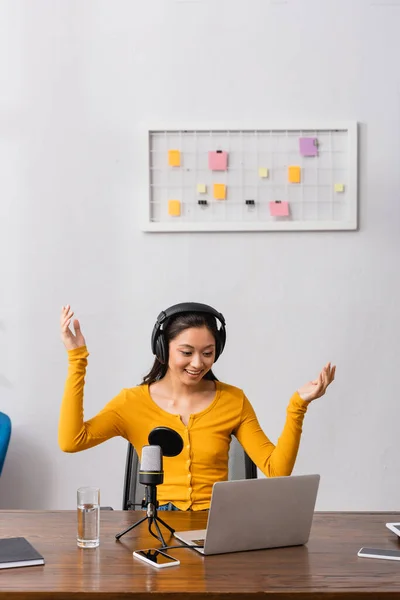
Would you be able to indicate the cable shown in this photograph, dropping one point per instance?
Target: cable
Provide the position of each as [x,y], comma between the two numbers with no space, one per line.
[181,546]
[154,535]
[130,504]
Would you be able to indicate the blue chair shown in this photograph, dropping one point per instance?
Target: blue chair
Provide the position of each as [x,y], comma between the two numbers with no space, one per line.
[5,434]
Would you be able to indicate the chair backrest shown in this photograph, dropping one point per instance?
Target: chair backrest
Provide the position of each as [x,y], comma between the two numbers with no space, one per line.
[5,434]
[240,467]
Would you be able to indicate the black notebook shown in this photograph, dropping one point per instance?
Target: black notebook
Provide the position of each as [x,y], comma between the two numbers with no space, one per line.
[18,552]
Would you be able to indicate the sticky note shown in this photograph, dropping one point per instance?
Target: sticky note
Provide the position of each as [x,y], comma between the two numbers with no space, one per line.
[219,191]
[339,187]
[262,172]
[218,161]
[174,158]
[174,208]
[279,209]
[308,146]
[201,188]
[294,174]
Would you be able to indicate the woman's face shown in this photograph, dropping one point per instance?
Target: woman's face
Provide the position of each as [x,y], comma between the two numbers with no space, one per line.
[191,354]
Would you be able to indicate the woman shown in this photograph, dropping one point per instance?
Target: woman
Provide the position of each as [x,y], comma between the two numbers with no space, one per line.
[182,392]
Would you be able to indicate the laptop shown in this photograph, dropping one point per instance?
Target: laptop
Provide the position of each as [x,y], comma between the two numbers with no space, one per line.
[252,514]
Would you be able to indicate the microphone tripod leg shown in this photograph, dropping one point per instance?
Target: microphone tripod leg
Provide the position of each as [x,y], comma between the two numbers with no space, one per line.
[161,538]
[130,527]
[165,524]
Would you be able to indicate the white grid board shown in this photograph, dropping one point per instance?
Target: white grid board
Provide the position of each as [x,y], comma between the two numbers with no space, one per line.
[313,203]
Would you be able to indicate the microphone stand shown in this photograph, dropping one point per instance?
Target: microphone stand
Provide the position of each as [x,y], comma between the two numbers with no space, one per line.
[151,504]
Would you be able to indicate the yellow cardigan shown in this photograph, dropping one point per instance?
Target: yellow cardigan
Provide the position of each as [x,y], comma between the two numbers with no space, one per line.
[189,477]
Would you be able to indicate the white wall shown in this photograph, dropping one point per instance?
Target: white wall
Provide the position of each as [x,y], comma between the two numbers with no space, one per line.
[77,78]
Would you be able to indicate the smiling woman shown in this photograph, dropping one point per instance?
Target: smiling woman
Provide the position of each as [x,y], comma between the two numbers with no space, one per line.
[186,345]
[182,392]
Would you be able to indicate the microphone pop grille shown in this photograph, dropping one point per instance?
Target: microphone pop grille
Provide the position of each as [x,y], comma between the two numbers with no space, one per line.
[151,459]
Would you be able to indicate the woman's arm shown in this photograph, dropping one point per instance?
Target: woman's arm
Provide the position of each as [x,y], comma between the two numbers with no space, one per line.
[74,434]
[279,460]
[274,461]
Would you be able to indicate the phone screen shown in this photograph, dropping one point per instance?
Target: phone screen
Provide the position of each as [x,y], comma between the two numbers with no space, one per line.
[380,552]
[160,558]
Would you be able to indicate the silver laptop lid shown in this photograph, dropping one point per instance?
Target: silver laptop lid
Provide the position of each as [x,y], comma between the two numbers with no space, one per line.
[261,513]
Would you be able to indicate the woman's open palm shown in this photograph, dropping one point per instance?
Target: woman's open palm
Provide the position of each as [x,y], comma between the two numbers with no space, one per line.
[70,340]
[317,388]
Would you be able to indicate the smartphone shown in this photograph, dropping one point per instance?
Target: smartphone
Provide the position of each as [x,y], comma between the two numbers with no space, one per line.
[379,553]
[395,527]
[156,558]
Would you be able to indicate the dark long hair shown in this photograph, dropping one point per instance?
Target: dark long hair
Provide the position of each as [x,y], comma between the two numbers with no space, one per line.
[172,328]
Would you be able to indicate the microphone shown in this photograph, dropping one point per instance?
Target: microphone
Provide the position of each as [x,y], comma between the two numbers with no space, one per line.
[150,475]
[162,440]
[151,466]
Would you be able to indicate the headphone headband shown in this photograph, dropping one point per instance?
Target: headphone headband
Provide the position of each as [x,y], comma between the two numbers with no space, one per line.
[193,307]
[158,343]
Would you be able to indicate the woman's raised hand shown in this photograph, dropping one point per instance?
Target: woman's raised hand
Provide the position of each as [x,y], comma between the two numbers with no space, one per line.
[317,388]
[70,340]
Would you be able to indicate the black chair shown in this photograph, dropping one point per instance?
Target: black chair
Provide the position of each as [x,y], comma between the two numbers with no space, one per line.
[240,467]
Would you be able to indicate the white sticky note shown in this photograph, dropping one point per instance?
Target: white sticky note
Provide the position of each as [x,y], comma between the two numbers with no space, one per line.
[201,188]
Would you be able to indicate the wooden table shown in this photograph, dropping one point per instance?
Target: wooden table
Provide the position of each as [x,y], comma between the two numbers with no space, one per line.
[327,568]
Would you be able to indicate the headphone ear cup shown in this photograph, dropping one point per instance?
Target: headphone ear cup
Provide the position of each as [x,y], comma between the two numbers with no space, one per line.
[217,350]
[161,350]
[220,343]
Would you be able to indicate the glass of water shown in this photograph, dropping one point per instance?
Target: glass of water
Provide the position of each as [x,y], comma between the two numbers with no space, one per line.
[88,508]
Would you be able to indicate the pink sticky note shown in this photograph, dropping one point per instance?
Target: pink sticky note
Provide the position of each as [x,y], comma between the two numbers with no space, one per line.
[279,209]
[308,146]
[218,161]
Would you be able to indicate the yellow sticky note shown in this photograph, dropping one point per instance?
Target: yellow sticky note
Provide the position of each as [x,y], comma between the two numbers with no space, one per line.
[219,191]
[174,158]
[339,187]
[262,172]
[174,208]
[201,188]
[294,174]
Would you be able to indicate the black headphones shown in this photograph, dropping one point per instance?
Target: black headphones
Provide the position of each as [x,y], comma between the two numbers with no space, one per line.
[159,345]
